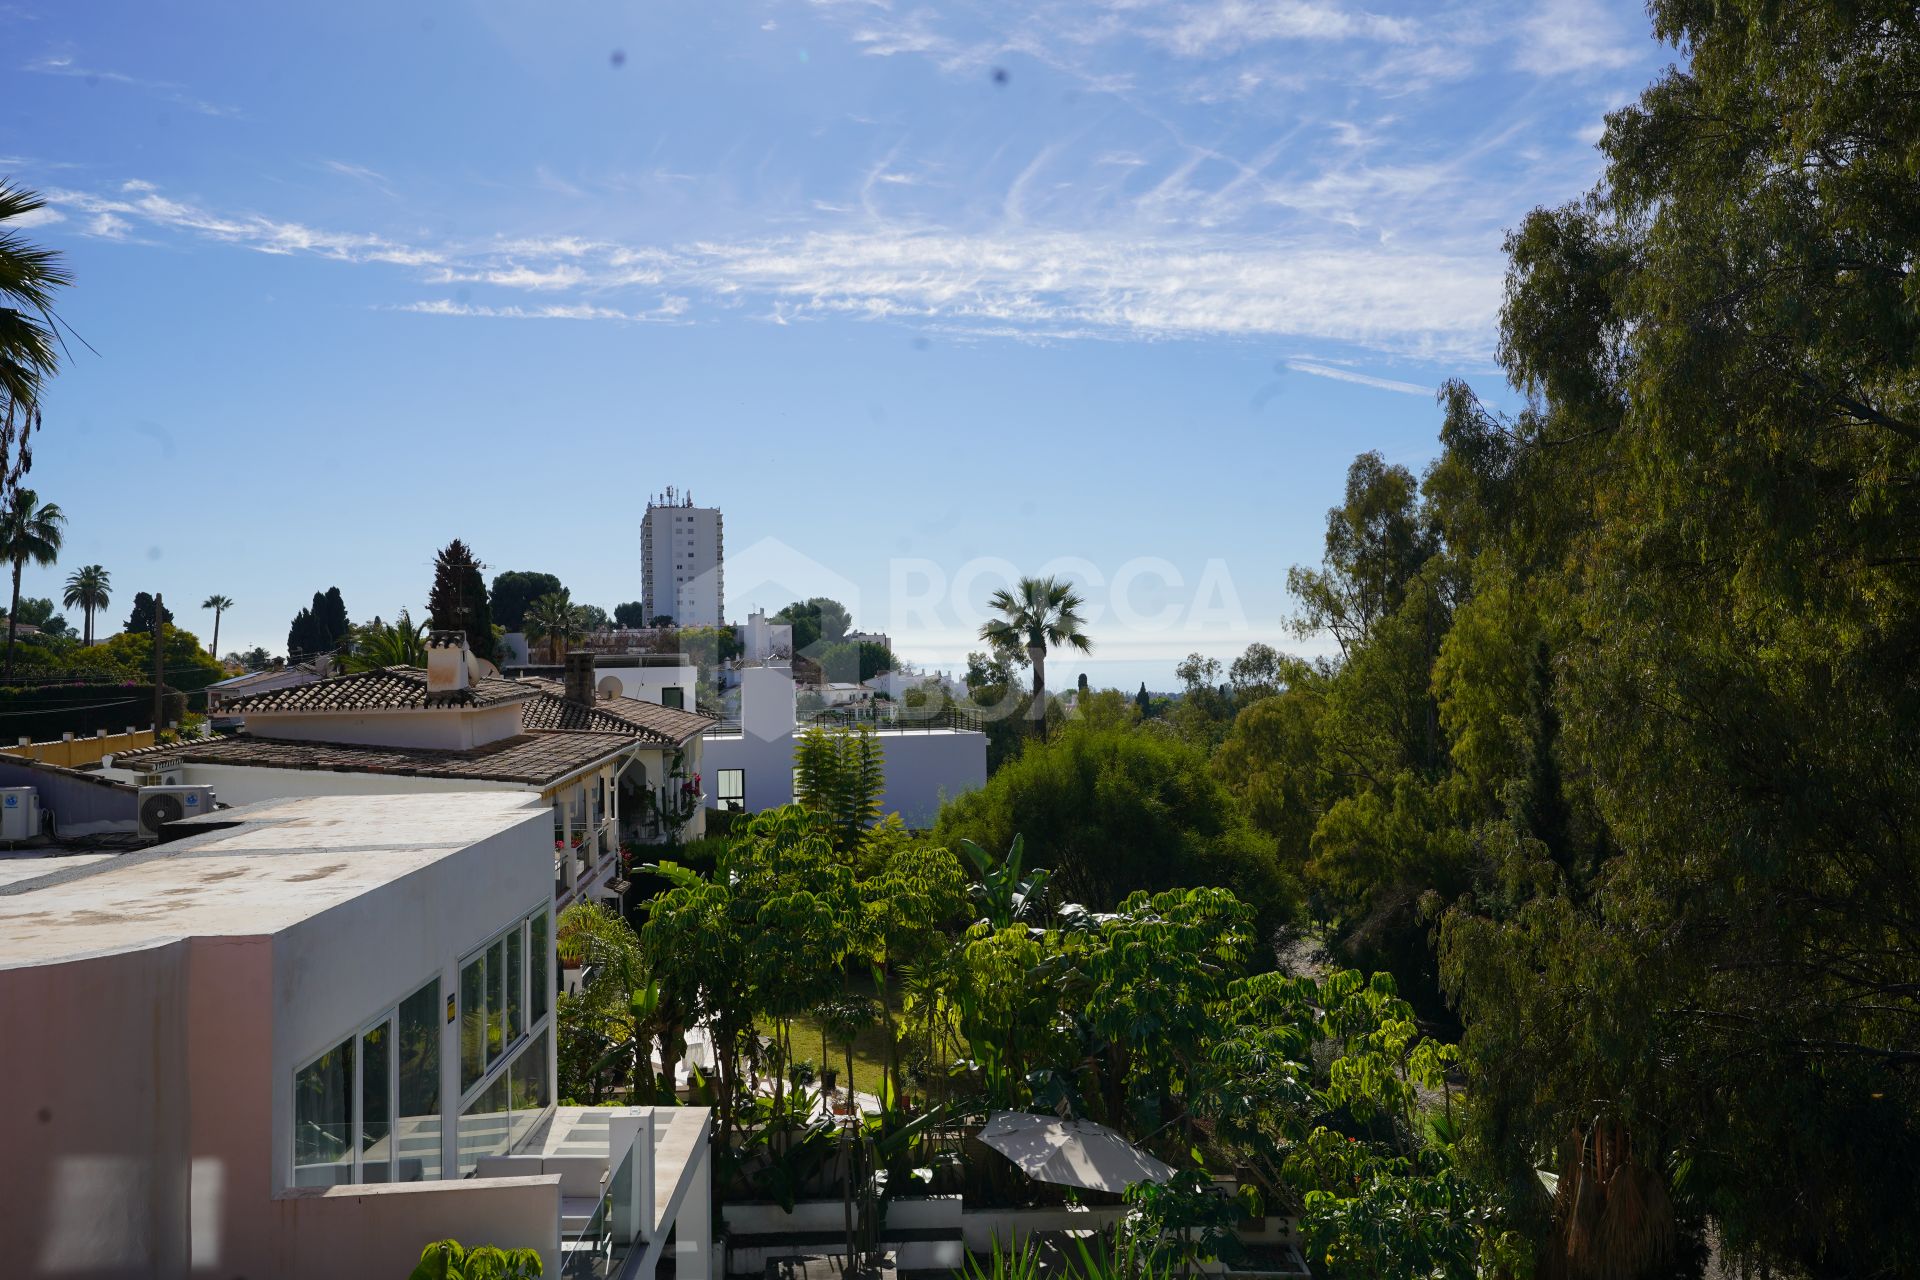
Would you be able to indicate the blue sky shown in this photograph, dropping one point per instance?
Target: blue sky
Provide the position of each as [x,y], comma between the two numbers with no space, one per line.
[948,286]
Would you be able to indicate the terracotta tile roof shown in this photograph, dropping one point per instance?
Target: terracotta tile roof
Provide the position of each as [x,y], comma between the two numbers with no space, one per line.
[535,758]
[388,689]
[551,712]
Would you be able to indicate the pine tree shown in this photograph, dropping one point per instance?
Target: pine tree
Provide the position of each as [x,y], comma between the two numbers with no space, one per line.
[458,601]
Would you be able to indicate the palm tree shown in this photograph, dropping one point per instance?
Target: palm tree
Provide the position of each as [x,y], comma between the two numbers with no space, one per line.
[377,645]
[29,345]
[555,619]
[1039,614]
[89,587]
[219,605]
[29,530]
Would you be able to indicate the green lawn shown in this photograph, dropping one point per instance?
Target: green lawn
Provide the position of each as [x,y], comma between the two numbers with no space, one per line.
[869,1047]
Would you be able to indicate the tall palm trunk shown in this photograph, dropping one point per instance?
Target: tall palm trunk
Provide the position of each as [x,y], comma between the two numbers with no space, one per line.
[89,612]
[13,614]
[1038,711]
[216,634]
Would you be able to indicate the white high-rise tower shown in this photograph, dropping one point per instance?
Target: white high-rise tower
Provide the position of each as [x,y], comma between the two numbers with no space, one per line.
[681,561]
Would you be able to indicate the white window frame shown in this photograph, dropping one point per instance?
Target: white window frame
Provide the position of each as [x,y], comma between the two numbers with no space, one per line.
[357,1113]
[531,1028]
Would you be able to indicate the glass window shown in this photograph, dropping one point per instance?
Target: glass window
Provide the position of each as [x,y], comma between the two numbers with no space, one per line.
[323,1119]
[538,994]
[673,696]
[528,1090]
[730,789]
[496,1000]
[417,1136]
[483,1125]
[516,964]
[473,1021]
[376,1103]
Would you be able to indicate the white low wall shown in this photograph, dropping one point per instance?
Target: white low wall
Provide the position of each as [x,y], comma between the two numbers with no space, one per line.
[378,1230]
[1010,1227]
[978,1230]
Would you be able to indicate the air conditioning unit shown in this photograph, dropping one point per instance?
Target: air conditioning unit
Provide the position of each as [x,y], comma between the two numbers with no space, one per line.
[161,805]
[19,813]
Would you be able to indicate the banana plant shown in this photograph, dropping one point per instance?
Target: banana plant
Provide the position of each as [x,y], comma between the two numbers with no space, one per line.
[1003,897]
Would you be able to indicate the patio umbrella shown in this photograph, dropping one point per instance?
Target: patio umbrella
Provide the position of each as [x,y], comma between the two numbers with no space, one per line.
[1073,1153]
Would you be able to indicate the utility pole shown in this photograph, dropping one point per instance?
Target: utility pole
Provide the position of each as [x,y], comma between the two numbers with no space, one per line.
[159,663]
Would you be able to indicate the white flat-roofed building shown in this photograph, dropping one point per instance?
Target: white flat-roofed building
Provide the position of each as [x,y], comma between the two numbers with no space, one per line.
[930,753]
[278,1046]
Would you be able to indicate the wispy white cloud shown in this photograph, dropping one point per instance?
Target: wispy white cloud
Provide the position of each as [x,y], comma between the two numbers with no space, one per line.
[1564,37]
[44,216]
[1034,280]
[1214,27]
[669,309]
[360,173]
[1362,379]
[62,64]
[141,201]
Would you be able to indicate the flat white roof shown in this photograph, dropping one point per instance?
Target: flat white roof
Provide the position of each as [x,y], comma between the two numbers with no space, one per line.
[284,861]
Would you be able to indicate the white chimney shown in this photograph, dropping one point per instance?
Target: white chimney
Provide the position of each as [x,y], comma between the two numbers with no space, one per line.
[446,662]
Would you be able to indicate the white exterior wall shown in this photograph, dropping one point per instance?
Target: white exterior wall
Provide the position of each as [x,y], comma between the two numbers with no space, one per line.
[761,639]
[683,576]
[245,784]
[923,766]
[645,683]
[149,1125]
[336,971]
[437,728]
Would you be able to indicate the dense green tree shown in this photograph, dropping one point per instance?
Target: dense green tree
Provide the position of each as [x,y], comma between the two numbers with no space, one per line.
[89,589]
[990,671]
[631,614]
[1376,541]
[30,531]
[188,667]
[458,598]
[321,628]
[854,662]
[594,618]
[1678,691]
[140,621]
[38,611]
[815,621]
[514,590]
[30,277]
[1117,810]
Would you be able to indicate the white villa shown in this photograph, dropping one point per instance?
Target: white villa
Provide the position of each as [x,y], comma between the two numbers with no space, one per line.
[750,764]
[302,1039]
